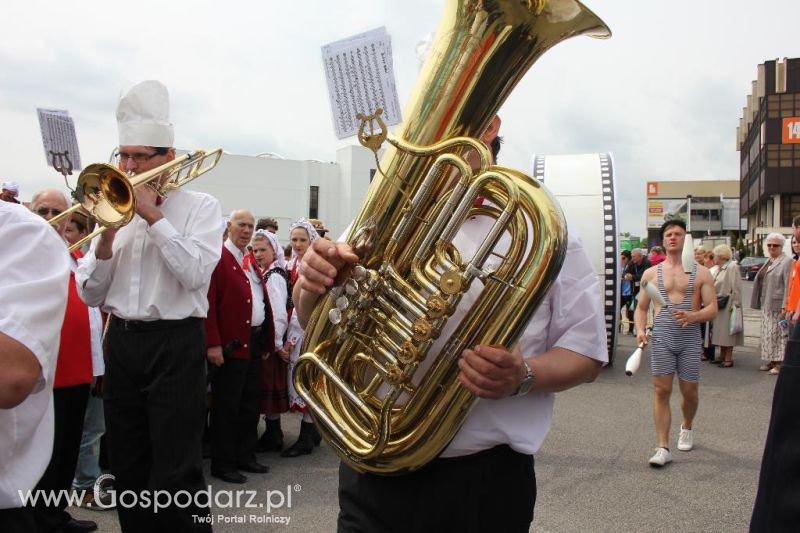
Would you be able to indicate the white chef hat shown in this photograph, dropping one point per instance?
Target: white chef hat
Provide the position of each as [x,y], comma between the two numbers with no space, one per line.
[143,116]
[12,186]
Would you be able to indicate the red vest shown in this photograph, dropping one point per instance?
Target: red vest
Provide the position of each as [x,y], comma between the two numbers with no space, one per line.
[74,365]
[230,307]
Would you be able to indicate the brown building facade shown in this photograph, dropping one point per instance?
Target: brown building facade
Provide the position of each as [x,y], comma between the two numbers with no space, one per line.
[768,141]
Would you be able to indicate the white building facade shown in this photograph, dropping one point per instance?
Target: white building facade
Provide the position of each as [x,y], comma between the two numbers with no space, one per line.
[287,189]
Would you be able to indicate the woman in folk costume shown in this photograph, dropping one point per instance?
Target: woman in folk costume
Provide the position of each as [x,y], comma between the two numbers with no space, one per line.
[267,259]
[301,235]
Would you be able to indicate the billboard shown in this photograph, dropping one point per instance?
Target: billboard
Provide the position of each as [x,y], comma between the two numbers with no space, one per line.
[730,215]
[791,130]
[660,210]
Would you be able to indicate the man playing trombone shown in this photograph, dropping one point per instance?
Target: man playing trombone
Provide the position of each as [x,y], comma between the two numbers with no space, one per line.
[152,276]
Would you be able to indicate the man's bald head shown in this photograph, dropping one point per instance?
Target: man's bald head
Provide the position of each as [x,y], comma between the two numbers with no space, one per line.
[242,214]
[48,203]
[241,228]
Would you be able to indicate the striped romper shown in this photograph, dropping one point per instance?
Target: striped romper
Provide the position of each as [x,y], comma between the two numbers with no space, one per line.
[672,347]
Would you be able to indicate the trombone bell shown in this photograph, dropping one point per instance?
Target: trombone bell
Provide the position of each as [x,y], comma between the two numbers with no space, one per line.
[106,193]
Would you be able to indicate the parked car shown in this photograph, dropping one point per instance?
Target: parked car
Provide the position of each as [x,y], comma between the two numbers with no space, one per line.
[749,267]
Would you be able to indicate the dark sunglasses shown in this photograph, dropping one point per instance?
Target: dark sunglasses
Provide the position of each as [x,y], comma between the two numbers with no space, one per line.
[44,211]
[774,246]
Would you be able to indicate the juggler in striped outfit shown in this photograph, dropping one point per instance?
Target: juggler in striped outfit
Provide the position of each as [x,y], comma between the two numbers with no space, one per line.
[675,348]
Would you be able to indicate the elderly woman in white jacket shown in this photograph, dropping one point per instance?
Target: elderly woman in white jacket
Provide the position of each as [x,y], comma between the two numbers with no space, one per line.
[728,284]
[769,294]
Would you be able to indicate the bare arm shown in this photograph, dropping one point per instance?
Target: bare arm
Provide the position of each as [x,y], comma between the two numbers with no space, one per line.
[21,372]
[643,304]
[490,372]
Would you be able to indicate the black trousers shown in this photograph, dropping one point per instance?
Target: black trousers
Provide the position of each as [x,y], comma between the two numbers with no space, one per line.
[17,520]
[624,303]
[494,490]
[777,507]
[236,389]
[155,394]
[69,407]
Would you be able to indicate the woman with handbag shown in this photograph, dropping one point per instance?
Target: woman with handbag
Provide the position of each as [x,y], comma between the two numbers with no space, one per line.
[728,284]
[769,293]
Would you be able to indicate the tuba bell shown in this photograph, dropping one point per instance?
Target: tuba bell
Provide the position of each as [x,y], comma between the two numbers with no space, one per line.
[380,372]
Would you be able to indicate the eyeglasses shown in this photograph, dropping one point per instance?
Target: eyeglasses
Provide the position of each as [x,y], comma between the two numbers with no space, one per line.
[774,246]
[137,158]
[44,211]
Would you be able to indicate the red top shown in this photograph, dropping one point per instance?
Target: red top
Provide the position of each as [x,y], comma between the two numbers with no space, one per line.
[794,288]
[74,364]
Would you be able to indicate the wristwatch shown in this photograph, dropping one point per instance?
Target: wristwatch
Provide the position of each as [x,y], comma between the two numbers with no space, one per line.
[527,383]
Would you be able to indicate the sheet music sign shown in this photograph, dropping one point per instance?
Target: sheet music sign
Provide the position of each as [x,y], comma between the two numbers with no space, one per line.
[360,75]
[59,139]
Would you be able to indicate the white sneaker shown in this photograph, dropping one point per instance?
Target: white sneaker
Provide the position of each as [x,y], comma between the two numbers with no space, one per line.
[661,457]
[685,440]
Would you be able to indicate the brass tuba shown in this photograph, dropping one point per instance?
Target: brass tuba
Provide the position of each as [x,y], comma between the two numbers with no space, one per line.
[384,393]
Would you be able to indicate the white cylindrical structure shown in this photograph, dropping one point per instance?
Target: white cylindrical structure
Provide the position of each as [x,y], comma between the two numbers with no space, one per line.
[584,187]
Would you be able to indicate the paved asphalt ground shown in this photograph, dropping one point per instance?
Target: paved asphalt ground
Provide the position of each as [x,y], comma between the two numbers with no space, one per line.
[592,472]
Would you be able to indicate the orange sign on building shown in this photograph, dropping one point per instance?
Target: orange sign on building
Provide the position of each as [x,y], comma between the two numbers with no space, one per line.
[791,130]
[652,188]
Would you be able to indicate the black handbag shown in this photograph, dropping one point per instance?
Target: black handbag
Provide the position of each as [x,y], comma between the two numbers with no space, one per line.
[722,301]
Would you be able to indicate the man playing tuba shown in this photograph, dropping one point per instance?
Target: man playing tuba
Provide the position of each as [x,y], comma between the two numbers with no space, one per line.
[484,479]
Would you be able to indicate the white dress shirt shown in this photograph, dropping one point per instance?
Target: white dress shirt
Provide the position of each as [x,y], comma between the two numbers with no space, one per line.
[95,332]
[33,292]
[161,271]
[570,316]
[257,310]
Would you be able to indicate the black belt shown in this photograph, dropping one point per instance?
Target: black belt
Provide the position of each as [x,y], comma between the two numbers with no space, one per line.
[152,325]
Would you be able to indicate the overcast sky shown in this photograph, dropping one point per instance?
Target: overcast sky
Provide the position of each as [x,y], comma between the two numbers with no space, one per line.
[664,94]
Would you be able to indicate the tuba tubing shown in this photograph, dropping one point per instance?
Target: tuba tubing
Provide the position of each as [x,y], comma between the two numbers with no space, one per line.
[380,368]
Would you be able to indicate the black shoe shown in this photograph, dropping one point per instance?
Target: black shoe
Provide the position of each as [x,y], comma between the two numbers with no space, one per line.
[315,436]
[304,444]
[272,439]
[252,466]
[230,475]
[78,526]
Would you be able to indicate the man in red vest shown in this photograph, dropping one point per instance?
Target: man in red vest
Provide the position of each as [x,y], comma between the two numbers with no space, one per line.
[70,389]
[236,328]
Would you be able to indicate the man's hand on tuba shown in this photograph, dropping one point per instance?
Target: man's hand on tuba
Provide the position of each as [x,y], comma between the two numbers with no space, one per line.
[321,263]
[491,371]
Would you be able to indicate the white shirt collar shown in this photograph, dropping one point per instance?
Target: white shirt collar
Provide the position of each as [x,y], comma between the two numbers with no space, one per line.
[237,253]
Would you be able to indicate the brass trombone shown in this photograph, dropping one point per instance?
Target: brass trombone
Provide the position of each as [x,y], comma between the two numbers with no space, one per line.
[106,193]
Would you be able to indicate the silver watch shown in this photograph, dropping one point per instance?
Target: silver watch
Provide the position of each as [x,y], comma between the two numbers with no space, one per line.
[527,383]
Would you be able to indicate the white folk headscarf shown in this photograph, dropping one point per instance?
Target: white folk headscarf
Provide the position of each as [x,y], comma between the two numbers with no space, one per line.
[279,260]
[305,224]
[143,116]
